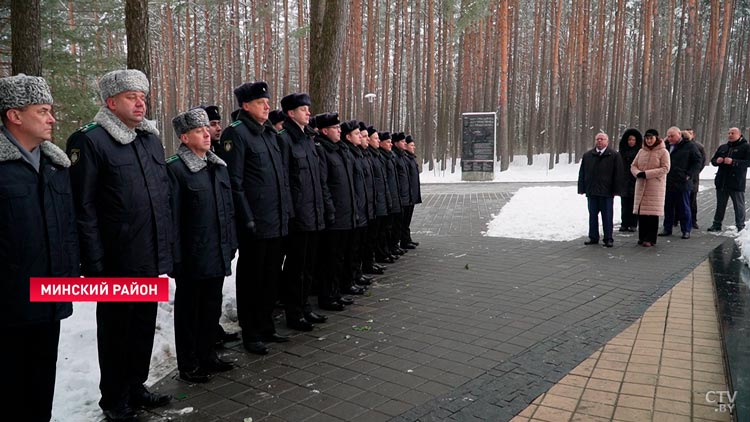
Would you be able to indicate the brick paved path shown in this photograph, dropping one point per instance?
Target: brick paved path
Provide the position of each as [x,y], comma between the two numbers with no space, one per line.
[463,328]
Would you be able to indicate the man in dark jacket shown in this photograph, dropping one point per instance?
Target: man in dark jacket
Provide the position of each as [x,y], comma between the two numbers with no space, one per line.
[121,192]
[205,243]
[415,193]
[404,193]
[262,209]
[630,143]
[685,161]
[301,245]
[37,239]
[600,179]
[689,134]
[362,178]
[394,210]
[371,145]
[732,159]
[214,128]
[337,177]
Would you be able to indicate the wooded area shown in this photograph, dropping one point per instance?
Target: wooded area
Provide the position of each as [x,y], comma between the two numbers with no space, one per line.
[556,71]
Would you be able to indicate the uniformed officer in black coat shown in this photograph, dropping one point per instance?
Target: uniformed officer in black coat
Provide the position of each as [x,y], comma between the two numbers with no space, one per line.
[362,177]
[205,243]
[37,239]
[393,227]
[301,245]
[337,177]
[405,191]
[262,209]
[381,201]
[416,193]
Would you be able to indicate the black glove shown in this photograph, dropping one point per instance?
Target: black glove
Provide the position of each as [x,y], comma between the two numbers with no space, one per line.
[642,175]
[251,227]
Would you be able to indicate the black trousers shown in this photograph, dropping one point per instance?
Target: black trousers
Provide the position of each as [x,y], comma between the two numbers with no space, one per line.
[395,234]
[359,236]
[648,228]
[738,203]
[258,269]
[370,243]
[627,218]
[298,273]
[125,337]
[694,201]
[197,310]
[30,356]
[382,247]
[407,214]
[333,257]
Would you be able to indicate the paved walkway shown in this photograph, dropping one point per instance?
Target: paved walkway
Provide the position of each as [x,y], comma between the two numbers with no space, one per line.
[463,328]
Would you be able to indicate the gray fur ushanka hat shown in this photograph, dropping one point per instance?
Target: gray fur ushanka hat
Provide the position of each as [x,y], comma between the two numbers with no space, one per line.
[22,90]
[189,120]
[122,80]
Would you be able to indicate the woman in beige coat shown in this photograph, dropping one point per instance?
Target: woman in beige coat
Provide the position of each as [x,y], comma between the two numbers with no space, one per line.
[650,167]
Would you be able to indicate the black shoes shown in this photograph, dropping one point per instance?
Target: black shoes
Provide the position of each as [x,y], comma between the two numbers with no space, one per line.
[335,306]
[314,318]
[354,290]
[373,270]
[217,364]
[141,397]
[686,235]
[299,324]
[274,338]
[385,260]
[346,300]
[363,281]
[591,242]
[255,347]
[607,243]
[121,414]
[408,246]
[196,376]
[715,228]
[695,226]
[665,234]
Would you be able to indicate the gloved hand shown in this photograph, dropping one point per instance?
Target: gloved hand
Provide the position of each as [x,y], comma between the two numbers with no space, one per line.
[642,175]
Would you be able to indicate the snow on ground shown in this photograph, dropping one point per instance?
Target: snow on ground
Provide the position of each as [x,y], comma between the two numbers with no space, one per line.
[540,213]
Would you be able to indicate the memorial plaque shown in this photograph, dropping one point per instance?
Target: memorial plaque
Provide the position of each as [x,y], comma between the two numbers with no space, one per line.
[478,146]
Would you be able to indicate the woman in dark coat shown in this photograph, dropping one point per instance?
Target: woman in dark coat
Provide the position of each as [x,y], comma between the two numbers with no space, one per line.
[630,144]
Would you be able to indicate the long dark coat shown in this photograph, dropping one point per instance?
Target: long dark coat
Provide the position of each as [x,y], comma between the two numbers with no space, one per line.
[402,173]
[382,198]
[628,153]
[362,185]
[732,177]
[304,178]
[121,192]
[686,162]
[414,185]
[203,213]
[37,232]
[259,178]
[389,160]
[337,173]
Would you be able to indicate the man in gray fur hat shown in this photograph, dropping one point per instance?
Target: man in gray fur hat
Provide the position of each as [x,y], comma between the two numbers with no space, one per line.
[205,244]
[121,193]
[37,239]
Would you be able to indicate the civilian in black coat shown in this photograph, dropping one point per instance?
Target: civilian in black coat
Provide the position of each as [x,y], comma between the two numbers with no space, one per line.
[732,159]
[262,210]
[121,191]
[686,162]
[37,239]
[205,243]
[630,142]
[600,179]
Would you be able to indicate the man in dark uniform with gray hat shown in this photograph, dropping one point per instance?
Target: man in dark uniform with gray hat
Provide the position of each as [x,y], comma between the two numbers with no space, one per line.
[121,193]
[37,239]
[262,203]
[205,242]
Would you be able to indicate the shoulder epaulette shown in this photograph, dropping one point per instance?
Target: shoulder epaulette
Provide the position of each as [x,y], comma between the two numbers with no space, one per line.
[88,127]
[235,123]
[173,158]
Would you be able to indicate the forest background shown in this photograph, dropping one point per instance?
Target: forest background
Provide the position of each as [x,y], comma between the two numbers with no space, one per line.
[556,72]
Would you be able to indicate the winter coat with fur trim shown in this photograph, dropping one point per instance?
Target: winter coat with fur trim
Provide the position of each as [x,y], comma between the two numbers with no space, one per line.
[121,192]
[650,192]
[203,215]
[37,232]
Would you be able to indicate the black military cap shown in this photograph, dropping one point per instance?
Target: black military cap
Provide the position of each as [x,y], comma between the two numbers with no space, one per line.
[212,111]
[275,116]
[325,120]
[292,101]
[251,91]
[409,139]
[362,126]
[370,130]
[384,136]
[398,136]
[349,126]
